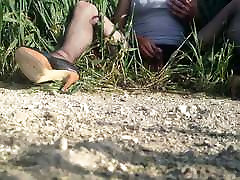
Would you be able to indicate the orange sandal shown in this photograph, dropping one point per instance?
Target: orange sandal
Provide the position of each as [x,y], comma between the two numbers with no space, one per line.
[38,67]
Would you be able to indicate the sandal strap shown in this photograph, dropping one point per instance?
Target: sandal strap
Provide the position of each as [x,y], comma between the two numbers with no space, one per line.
[60,64]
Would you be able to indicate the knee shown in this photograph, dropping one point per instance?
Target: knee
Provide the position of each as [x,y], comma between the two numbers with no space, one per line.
[86,8]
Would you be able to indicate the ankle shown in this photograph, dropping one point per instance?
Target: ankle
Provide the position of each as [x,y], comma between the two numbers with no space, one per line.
[62,55]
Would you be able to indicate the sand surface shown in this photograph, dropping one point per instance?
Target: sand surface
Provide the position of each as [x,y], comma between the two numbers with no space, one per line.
[117,135]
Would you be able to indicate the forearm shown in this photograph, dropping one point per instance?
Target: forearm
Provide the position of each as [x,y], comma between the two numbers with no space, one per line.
[121,14]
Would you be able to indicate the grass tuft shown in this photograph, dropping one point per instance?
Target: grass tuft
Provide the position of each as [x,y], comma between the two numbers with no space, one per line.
[41,24]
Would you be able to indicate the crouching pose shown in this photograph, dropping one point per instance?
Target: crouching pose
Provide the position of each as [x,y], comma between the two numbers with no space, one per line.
[59,65]
[158,25]
[222,17]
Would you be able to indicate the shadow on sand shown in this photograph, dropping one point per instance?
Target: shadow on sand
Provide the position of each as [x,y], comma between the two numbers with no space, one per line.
[48,162]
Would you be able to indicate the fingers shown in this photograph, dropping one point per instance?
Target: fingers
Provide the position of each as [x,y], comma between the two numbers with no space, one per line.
[147,50]
[180,8]
[145,47]
[181,5]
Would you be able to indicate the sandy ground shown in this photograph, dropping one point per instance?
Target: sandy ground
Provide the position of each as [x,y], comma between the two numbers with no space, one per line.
[120,135]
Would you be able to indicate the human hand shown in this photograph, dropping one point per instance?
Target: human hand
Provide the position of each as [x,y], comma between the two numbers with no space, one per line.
[184,9]
[148,49]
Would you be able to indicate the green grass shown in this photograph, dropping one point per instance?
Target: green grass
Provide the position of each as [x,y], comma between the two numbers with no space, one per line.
[42,24]
[200,68]
[30,23]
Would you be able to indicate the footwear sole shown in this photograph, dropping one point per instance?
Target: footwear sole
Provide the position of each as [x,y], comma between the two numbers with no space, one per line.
[36,68]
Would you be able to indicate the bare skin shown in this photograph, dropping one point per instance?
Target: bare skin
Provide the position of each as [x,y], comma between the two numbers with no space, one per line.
[183,9]
[230,13]
[122,13]
[80,31]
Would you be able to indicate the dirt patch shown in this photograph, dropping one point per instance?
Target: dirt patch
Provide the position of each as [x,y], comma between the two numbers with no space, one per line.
[118,135]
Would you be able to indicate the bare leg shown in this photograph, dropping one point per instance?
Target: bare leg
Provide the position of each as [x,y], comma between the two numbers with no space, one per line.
[79,36]
[80,31]
[233,31]
[214,27]
[231,14]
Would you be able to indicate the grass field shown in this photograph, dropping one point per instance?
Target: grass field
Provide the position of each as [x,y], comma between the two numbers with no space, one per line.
[42,24]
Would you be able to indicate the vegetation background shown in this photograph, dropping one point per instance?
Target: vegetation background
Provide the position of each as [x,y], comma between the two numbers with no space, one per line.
[42,24]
